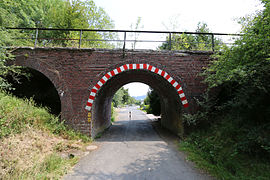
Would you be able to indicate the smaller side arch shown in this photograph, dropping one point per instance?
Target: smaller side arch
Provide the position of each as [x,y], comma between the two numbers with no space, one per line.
[127,67]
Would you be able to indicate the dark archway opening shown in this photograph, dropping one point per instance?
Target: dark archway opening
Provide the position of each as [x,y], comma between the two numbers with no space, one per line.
[171,106]
[36,85]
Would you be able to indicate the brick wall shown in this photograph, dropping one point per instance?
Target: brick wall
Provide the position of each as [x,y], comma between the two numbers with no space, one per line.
[75,71]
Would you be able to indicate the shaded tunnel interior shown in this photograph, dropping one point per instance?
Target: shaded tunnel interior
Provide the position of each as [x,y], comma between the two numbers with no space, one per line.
[37,86]
[171,106]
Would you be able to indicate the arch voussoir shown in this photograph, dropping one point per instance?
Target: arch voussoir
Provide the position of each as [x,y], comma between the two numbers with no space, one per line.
[127,67]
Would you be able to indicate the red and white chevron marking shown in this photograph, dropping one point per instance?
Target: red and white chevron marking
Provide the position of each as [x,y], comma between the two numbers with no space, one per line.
[127,67]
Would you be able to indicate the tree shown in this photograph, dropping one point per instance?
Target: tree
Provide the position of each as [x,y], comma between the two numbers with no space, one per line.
[153,101]
[122,97]
[126,96]
[6,19]
[203,42]
[240,74]
[4,55]
[57,14]
[49,14]
[81,15]
[117,98]
[191,41]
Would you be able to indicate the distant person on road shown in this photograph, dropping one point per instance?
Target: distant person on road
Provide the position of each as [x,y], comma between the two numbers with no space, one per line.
[130,115]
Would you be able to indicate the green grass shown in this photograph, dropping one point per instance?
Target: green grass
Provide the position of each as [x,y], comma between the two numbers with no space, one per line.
[53,167]
[222,165]
[18,114]
[54,164]
[20,118]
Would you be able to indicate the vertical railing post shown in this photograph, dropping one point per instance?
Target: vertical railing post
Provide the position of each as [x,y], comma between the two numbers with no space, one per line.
[124,46]
[170,41]
[125,36]
[80,41]
[213,42]
[36,37]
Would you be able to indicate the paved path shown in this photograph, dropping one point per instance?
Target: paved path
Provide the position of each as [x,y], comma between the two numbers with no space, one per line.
[132,150]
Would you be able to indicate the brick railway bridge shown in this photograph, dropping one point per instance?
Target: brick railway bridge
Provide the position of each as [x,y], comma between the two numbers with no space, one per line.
[87,79]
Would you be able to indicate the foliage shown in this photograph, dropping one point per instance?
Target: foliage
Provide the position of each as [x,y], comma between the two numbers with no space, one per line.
[49,14]
[223,165]
[80,15]
[3,57]
[8,17]
[16,115]
[242,73]
[233,125]
[152,103]
[5,40]
[113,113]
[191,41]
[56,14]
[51,166]
[117,98]
[54,166]
[29,133]
[122,97]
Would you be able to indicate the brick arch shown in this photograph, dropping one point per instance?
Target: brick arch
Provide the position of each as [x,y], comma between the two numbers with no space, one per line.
[128,67]
[55,77]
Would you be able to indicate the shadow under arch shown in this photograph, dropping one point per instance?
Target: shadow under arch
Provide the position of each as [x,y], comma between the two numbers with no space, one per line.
[37,86]
[170,92]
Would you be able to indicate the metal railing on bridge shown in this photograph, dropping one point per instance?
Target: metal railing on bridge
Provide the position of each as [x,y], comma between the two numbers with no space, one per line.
[121,39]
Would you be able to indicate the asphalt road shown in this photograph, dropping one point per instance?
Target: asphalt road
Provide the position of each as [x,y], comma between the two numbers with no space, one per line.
[132,150]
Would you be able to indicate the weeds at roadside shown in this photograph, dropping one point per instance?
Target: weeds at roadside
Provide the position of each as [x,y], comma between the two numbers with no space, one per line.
[240,167]
[32,141]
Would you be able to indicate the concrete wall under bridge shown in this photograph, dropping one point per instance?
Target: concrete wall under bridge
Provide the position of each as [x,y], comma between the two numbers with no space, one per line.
[87,79]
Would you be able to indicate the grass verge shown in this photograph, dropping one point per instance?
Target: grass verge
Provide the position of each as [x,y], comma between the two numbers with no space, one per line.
[227,167]
[35,144]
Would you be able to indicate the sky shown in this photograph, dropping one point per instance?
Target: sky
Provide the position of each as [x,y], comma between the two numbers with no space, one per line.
[220,15]
[177,15]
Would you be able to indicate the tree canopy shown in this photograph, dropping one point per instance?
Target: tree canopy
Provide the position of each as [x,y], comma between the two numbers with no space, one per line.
[122,97]
[191,41]
[152,102]
[49,14]
[62,14]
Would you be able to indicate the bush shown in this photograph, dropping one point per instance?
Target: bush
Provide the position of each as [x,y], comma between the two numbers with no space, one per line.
[234,125]
[112,112]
